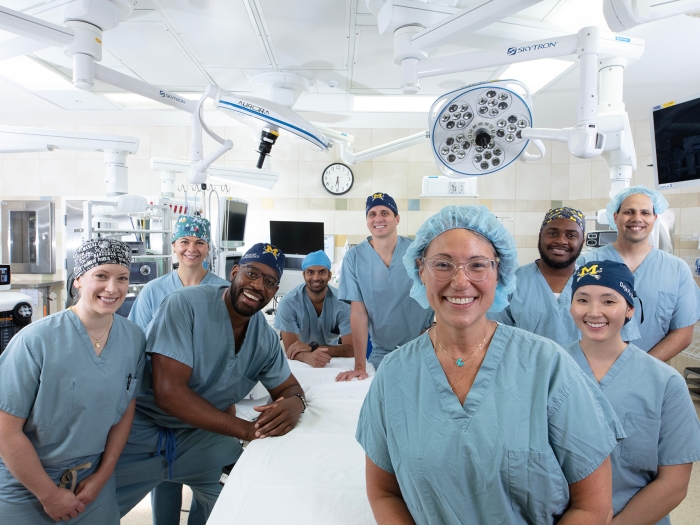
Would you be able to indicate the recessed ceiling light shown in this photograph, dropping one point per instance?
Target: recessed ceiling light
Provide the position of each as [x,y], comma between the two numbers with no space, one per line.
[32,76]
[392,104]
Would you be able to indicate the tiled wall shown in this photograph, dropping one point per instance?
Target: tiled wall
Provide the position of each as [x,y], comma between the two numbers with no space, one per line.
[520,194]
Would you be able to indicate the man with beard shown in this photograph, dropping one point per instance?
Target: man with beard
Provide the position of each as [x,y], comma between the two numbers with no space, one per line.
[669,298]
[209,346]
[542,298]
[311,319]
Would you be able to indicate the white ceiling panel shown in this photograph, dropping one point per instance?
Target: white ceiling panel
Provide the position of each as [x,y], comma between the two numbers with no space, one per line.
[219,31]
[374,61]
[229,79]
[307,35]
[148,49]
[76,100]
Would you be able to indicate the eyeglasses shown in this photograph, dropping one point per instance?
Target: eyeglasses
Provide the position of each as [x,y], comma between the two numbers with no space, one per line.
[254,274]
[476,270]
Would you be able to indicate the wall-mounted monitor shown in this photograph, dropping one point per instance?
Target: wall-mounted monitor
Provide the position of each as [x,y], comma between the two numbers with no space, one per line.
[232,217]
[296,238]
[675,140]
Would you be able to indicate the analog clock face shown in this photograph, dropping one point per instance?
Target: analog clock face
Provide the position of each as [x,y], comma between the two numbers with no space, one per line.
[337,179]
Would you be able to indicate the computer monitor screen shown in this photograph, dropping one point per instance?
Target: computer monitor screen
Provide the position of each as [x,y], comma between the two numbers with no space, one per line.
[675,135]
[233,217]
[297,238]
[4,274]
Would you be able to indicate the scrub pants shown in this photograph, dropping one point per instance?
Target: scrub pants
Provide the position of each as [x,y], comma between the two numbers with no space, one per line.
[166,502]
[18,506]
[200,456]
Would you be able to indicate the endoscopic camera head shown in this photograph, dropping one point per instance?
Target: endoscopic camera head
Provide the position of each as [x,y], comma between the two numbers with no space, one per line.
[268,137]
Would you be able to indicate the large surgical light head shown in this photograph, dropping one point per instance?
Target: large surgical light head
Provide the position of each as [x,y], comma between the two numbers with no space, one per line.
[270,118]
[477,129]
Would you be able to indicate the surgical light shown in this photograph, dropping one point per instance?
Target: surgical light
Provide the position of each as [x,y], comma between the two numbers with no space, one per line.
[477,129]
[536,74]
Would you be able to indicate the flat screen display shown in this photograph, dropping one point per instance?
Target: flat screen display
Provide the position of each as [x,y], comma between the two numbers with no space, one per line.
[296,238]
[233,224]
[676,137]
[4,274]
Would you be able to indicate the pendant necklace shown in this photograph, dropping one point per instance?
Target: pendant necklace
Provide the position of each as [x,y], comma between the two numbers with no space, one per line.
[96,344]
[460,362]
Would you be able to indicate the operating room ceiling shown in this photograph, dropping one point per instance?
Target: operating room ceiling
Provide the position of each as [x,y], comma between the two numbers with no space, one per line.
[183,45]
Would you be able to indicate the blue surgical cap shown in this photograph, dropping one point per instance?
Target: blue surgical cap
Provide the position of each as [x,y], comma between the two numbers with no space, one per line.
[659,201]
[318,258]
[265,253]
[192,226]
[477,219]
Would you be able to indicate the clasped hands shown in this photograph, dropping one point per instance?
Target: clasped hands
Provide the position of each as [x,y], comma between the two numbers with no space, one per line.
[276,418]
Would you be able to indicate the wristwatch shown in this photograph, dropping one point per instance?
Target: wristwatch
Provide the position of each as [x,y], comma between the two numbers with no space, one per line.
[314,345]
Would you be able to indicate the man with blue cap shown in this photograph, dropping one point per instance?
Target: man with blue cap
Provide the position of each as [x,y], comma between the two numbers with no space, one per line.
[664,283]
[209,346]
[313,322]
[540,303]
[377,287]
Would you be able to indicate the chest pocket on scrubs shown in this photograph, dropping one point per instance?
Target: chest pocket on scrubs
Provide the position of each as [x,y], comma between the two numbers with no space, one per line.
[129,390]
[52,412]
[536,484]
[664,309]
[640,448]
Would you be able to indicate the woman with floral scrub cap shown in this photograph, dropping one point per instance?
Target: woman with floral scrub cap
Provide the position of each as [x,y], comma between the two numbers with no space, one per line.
[651,467]
[476,422]
[67,388]
[190,240]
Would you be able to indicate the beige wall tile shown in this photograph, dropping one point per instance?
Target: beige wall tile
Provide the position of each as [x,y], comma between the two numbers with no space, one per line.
[100,130]
[642,138]
[327,217]
[580,181]
[503,205]
[356,204]
[533,181]
[527,223]
[140,176]
[310,180]
[169,142]
[560,153]
[304,204]
[362,186]
[416,172]
[520,241]
[143,133]
[245,142]
[415,220]
[382,136]
[644,175]
[532,241]
[267,204]
[308,154]
[690,221]
[560,182]
[290,184]
[527,255]
[350,223]
[322,204]
[422,152]
[539,206]
[21,177]
[600,179]
[58,177]
[286,204]
[500,185]
[391,178]
[90,178]
[22,156]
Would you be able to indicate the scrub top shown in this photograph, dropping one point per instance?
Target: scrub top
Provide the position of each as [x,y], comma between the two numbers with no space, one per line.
[154,293]
[531,425]
[652,401]
[395,318]
[296,314]
[670,298]
[534,307]
[193,327]
[70,396]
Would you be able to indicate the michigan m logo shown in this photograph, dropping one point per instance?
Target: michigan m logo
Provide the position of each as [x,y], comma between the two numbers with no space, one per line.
[378,196]
[273,251]
[592,270]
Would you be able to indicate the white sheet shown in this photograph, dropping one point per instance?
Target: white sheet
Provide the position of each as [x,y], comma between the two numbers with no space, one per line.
[315,475]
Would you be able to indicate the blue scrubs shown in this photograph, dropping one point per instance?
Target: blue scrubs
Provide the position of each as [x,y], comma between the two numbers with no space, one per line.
[670,298]
[395,318]
[166,498]
[531,425]
[70,397]
[652,401]
[533,307]
[154,293]
[192,326]
[296,314]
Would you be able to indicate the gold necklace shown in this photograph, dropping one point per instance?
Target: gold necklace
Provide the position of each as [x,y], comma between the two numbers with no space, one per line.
[96,344]
[471,359]
[460,362]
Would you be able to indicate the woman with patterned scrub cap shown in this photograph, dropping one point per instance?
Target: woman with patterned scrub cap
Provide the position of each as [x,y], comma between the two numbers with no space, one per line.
[191,237]
[651,467]
[477,422]
[67,389]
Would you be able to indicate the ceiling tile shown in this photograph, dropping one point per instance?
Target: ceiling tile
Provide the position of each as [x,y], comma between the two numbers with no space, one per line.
[374,61]
[76,100]
[229,79]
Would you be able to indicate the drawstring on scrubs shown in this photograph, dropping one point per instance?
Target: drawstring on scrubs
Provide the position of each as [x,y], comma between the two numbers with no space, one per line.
[167,443]
[70,476]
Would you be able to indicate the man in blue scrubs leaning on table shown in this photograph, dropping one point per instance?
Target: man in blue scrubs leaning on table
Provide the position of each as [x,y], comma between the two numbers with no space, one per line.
[209,346]
[377,286]
[669,298]
[313,322]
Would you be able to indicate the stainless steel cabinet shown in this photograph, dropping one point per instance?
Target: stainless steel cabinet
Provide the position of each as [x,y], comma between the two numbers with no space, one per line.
[28,236]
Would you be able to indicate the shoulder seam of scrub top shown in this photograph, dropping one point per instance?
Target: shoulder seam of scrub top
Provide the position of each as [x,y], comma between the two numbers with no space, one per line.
[566,392]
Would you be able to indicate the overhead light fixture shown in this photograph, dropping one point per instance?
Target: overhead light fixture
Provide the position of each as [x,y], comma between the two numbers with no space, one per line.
[536,74]
[392,104]
[133,101]
[32,76]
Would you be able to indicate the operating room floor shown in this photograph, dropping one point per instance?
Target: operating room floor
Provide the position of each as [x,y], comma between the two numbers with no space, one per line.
[687,513]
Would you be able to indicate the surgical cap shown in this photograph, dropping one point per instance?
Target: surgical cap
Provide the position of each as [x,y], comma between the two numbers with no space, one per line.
[611,274]
[613,207]
[192,226]
[477,219]
[381,199]
[565,213]
[318,258]
[97,252]
[267,254]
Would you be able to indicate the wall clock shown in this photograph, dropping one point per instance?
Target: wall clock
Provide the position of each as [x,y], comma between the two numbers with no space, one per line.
[337,178]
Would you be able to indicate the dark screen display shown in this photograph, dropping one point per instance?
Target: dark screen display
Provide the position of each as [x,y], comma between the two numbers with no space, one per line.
[297,238]
[607,238]
[677,136]
[4,274]
[233,227]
